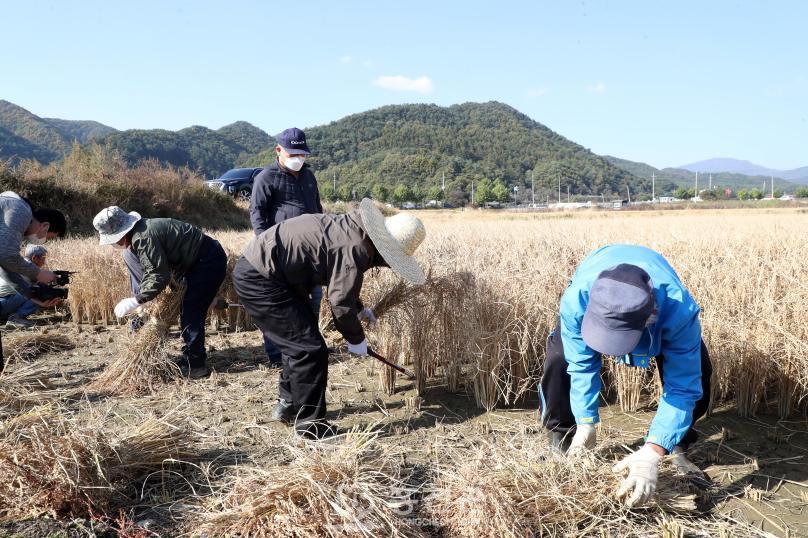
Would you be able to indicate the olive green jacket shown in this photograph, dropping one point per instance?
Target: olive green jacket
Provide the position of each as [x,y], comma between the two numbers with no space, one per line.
[165,247]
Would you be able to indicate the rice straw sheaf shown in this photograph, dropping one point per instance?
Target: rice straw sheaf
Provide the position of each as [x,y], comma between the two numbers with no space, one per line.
[147,361]
[25,386]
[352,489]
[521,488]
[59,464]
[28,347]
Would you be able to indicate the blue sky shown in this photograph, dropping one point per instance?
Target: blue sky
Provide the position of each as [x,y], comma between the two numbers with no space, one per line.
[664,83]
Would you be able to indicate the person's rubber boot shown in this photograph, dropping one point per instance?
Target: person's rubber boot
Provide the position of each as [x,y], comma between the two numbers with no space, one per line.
[559,441]
[682,464]
[283,412]
[194,372]
[318,430]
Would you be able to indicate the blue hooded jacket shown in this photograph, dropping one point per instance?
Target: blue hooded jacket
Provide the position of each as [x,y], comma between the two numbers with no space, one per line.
[676,334]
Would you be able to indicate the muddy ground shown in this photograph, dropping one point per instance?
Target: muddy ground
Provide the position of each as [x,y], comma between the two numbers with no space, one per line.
[757,468]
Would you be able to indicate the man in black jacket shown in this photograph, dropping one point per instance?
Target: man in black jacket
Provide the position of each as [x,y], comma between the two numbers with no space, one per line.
[285,189]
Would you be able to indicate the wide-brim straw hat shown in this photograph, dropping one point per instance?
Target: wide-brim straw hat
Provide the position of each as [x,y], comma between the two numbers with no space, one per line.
[112,223]
[396,238]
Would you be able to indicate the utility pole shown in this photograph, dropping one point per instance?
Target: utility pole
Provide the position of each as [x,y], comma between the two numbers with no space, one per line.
[335,182]
[443,181]
[472,192]
[653,186]
[532,189]
[696,194]
[772,187]
[711,183]
[559,186]
[628,192]
[568,194]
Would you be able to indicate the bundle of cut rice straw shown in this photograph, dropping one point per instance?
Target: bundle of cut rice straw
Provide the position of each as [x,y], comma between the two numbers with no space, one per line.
[147,362]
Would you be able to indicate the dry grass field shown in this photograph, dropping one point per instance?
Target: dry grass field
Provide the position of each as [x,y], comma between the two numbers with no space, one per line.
[456,452]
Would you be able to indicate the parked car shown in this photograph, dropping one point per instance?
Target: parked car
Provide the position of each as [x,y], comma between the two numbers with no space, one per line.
[237,182]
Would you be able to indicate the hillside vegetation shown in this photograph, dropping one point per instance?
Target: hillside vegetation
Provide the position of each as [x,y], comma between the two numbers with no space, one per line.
[417,145]
[209,152]
[91,178]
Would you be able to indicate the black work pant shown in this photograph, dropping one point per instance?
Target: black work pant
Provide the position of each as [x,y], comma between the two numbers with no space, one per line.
[202,283]
[555,389]
[285,314]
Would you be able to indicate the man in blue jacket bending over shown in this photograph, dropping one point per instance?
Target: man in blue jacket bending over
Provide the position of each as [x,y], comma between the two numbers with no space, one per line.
[627,301]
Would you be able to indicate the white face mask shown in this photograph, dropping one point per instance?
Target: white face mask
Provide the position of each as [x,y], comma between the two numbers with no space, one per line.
[34,239]
[294,163]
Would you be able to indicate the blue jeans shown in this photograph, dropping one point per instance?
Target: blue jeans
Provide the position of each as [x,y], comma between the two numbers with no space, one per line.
[17,304]
[315,298]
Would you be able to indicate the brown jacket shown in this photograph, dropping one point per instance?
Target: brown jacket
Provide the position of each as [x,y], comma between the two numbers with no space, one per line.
[320,250]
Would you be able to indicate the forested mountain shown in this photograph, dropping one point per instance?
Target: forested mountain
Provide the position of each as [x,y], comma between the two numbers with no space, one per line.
[687,179]
[211,152]
[83,131]
[25,135]
[491,144]
[247,135]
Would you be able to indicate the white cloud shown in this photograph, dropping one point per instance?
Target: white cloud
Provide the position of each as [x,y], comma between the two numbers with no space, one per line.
[537,92]
[346,59]
[400,83]
[596,88]
[368,64]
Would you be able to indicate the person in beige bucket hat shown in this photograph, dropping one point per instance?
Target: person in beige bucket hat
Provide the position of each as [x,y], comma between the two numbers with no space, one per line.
[279,267]
[157,251]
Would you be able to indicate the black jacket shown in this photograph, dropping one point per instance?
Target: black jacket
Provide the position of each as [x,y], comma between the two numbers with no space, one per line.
[277,195]
[320,250]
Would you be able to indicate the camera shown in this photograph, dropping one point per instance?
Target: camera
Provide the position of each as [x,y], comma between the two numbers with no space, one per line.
[56,290]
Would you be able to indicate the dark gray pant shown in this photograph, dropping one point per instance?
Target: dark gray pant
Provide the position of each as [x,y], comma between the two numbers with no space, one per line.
[202,284]
[555,389]
[285,315]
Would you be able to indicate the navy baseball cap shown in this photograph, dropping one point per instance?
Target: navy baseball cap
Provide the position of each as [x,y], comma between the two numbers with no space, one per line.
[620,302]
[293,140]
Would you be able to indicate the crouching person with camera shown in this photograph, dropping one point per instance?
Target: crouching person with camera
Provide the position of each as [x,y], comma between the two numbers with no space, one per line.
[18,222]
[166,248]
[16,307]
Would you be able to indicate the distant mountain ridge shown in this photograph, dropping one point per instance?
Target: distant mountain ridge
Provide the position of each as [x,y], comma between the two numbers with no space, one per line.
[738,166]
[685,178]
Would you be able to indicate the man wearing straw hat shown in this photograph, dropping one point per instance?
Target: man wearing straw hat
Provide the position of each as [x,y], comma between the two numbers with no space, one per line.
[281,265]
[169,248]
[627,301]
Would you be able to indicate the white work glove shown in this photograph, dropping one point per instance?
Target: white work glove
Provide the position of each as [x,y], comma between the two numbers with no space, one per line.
[682,464]
[643,468]
[126,306]
[360,349]
[584,438]
[368,316]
